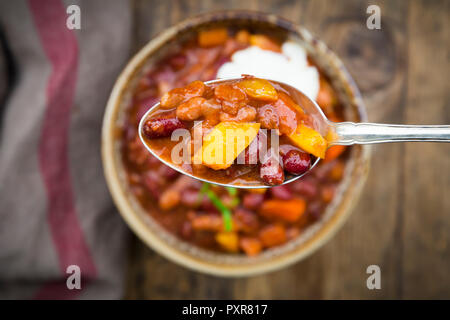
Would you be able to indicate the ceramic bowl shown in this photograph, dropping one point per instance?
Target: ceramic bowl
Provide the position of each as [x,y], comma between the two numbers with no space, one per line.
[222,264]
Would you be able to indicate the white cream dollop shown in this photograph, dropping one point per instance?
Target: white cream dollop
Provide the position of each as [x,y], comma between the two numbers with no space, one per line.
[290,66]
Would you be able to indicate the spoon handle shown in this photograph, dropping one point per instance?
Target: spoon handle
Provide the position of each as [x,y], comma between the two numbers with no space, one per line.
[348,133]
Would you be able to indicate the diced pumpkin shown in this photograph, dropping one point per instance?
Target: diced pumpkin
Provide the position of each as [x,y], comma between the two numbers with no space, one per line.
[273,235]
[334,152]
[264,42]
[309,140]
[225,142]
[286,210]
[228,241]
[243,37]
[213,37]
[259,89]
[251,246]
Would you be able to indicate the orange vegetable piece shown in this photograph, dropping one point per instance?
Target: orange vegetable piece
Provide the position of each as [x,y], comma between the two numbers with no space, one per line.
[228,241]
[286,210]
[334,152]
[259,89]
[243,36]
[326,98]
[178,95]
[213,37]
[309,140]
[251,246]
[273,235]
[225,142]
[264,42]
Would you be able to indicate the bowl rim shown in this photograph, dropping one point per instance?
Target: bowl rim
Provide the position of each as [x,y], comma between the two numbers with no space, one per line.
[137,223]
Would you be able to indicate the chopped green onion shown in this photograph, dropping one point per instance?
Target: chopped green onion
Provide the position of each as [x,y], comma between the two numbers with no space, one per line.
[226,213]
[234,202]
[203,189]
[232,191]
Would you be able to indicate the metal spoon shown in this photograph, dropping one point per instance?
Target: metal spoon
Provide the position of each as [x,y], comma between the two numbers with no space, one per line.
[337,133]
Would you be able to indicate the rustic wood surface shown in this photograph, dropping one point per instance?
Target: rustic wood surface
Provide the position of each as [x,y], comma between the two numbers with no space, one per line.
[402,220]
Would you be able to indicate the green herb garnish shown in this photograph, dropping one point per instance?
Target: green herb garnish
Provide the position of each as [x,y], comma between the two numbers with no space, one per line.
[226,213]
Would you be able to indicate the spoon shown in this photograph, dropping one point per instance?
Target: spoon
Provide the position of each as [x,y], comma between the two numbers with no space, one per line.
[336,133]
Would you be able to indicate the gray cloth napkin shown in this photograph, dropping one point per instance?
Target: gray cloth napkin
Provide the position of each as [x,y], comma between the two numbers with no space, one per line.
[55,209]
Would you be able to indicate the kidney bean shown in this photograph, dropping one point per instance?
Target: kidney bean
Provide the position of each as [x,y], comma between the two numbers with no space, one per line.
[245,114]
[306,187]
[161,128]
[191,198]
[232,98]
[281,192]
[186,231]
[268,117]
[178,61]
[315,210]
[252,201]
[296,162]
[191,109]
[151,183]
[270,171]
[246,220]
[256,149]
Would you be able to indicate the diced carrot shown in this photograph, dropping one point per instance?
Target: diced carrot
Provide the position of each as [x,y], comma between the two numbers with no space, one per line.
[334,152]
[251,246]
[309,140]
[243,36]
[326,98]
[337,171]
[286,210]
[264,42]
[273,235]
[259,89]
[328,193]
[207,222]
[228,241]
[213,37]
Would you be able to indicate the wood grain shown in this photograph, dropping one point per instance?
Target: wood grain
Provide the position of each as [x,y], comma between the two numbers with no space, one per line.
[402,220]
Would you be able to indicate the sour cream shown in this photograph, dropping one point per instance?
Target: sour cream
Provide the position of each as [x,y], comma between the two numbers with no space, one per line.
[290,66]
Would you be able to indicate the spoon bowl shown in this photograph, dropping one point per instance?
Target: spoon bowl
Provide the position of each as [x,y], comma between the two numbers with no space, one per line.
[309,107]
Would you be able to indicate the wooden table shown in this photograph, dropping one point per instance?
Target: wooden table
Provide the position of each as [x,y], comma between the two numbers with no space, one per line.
[402,221]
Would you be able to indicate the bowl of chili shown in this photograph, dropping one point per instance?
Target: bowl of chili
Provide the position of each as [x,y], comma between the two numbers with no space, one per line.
[216,230]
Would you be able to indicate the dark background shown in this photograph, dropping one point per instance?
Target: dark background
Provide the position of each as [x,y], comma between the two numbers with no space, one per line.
[402,220]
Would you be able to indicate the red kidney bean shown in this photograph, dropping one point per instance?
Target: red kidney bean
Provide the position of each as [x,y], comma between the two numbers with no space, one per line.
[296,162]
[161,128]
[281,192]
[252,201]
[186,230]
[191,198]
[254,151]
[246,220]
[271,171]
[307,187]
